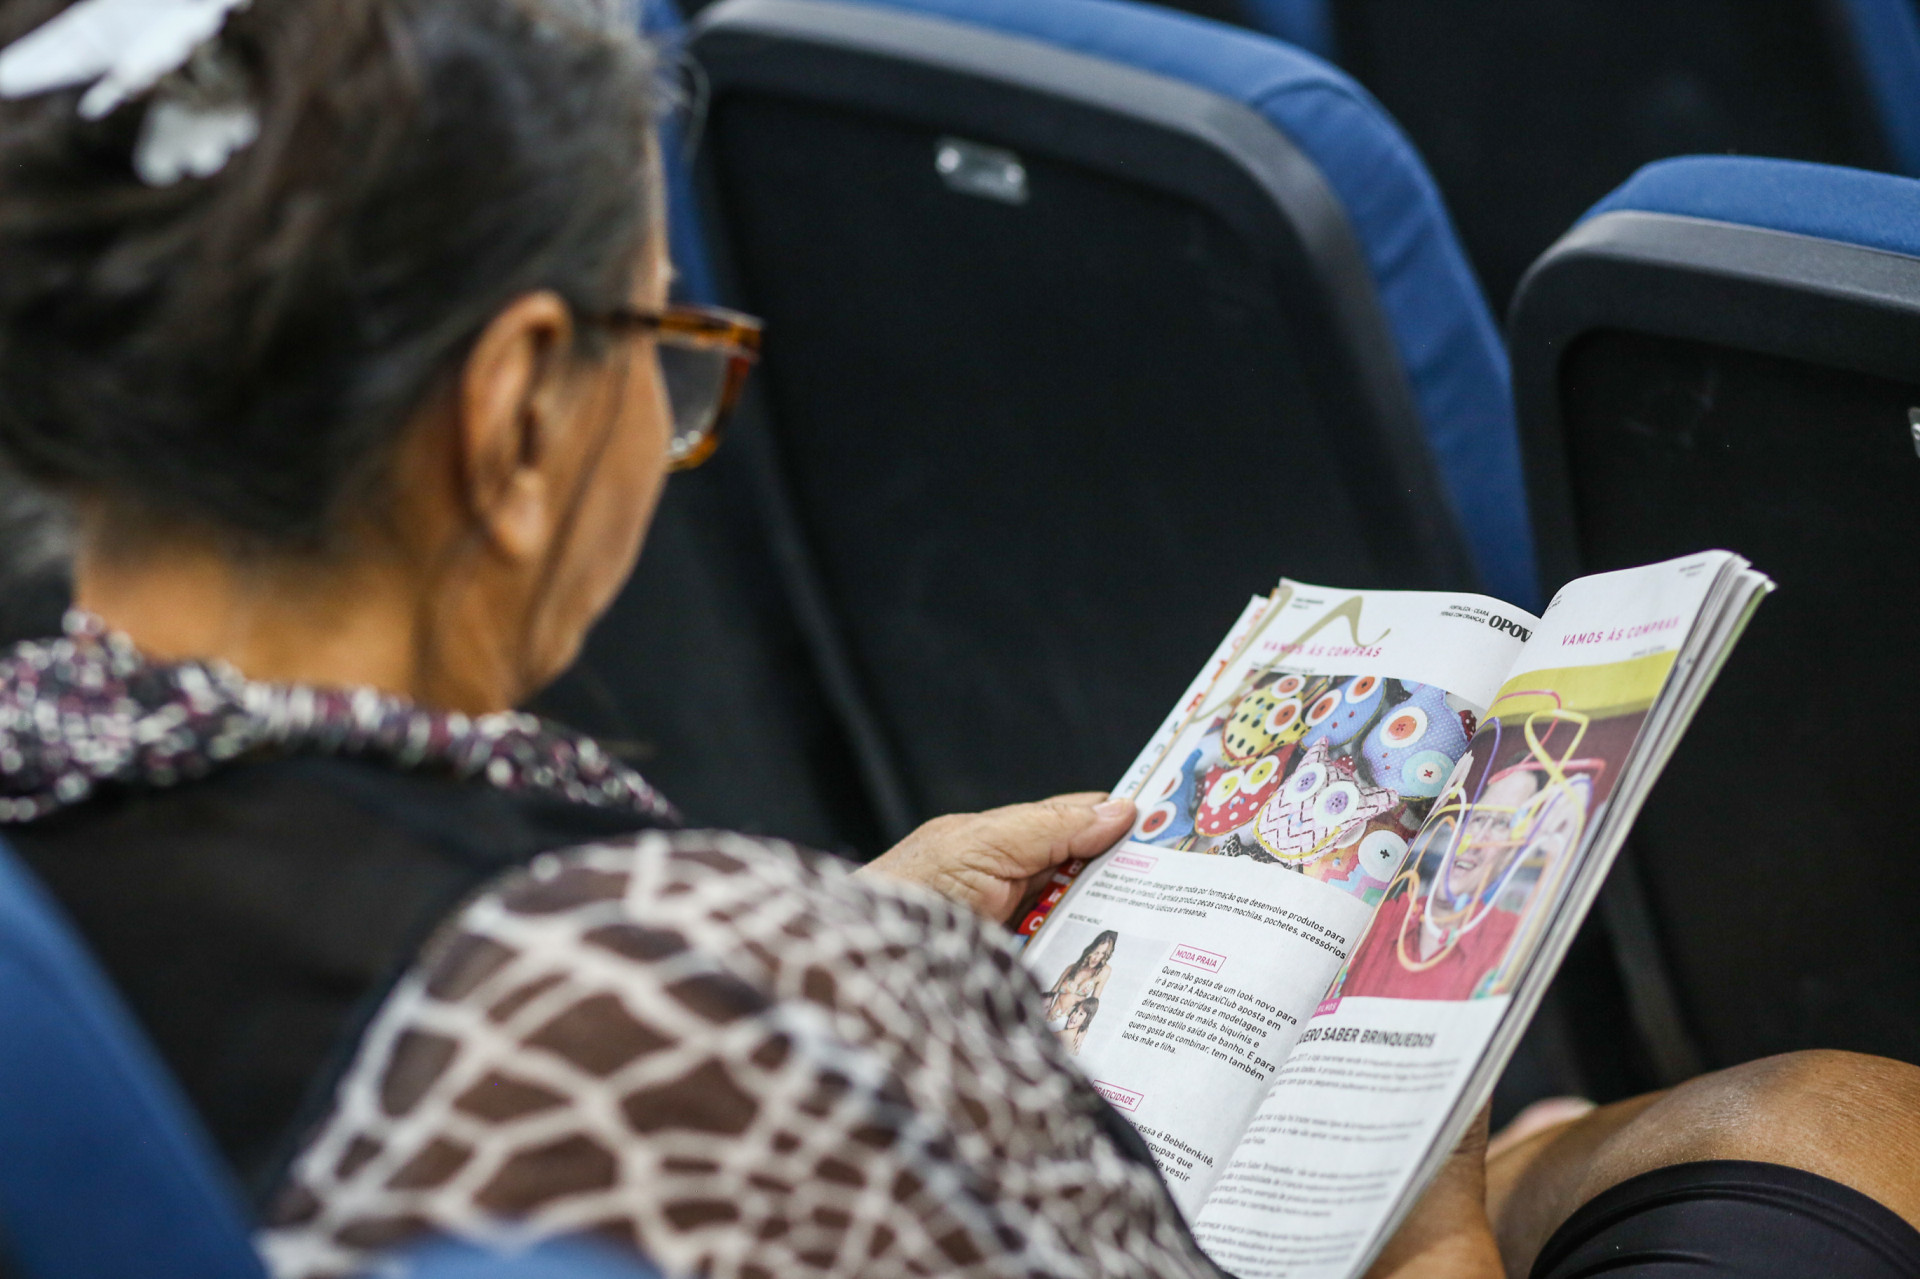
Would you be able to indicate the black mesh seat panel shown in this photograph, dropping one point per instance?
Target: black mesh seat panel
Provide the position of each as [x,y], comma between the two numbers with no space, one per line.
[1775,850]
[1039,450]
[1685,384]
[699,676]
[1042,452]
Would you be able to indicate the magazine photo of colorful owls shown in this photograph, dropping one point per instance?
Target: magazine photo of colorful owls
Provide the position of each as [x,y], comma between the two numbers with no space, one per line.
[1327,776]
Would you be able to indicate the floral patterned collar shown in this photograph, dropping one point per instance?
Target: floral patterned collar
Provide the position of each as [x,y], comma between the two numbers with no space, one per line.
[87,709]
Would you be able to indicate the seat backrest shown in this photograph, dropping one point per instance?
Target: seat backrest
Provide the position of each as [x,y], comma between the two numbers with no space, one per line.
[560,1259]
[699,673]
[701,676]
[1726,353]
[1306,23]
[103,1172]
[1061,295]
[1882,39]
[1528,113]
[661,22]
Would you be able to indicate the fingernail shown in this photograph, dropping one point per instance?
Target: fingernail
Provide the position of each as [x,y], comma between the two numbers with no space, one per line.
[1111,809]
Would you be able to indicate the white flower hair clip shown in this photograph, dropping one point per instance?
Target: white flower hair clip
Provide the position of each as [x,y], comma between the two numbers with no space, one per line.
[121,49]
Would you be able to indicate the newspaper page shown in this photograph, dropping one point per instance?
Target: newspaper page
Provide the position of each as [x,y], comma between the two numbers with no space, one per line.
[1275,812]
[1405,1047]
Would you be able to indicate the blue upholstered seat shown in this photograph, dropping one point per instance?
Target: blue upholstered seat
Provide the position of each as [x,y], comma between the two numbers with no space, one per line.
[1305,23]
[1448,341]
[1873,210]
[661,21]
[1726,352]
[104,1173]
[562,1259]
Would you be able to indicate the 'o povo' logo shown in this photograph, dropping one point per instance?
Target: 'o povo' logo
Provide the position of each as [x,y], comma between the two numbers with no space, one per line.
[1513,628]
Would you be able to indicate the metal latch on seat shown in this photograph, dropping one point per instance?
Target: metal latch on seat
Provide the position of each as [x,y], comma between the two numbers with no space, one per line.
[988,172]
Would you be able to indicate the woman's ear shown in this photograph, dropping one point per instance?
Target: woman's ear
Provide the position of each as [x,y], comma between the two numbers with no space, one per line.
[509,403]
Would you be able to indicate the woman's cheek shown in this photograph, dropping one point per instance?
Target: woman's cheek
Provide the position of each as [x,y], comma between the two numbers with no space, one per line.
[621,493]
[626,493]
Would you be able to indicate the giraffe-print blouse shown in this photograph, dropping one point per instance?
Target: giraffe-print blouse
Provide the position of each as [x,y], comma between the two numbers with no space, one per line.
[738,1060]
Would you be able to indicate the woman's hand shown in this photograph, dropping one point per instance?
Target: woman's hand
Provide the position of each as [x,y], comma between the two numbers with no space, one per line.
[1448,1235]
[990,861]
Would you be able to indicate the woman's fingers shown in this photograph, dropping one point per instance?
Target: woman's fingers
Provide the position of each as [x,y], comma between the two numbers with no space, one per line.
[1107,823]
[1034,838]
[989,861]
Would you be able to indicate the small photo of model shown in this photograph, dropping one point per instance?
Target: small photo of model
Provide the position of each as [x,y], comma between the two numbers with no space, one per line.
[1095,978]
[1074,998]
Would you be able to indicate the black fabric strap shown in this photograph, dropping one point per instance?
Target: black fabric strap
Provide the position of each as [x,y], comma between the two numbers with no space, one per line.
[1731,1218]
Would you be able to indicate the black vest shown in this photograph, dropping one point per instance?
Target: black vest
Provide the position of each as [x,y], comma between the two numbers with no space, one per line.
[254,920]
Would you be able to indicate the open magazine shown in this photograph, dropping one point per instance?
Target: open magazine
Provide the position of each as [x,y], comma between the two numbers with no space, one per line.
[1367,835]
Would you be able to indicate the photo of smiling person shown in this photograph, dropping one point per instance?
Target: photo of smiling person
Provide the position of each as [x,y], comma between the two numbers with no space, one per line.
[1437,939]
[1081,980]
[1463,908]
[1074,1033]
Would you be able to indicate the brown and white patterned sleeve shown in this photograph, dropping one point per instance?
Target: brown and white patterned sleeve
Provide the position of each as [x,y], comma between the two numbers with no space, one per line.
[739,1061]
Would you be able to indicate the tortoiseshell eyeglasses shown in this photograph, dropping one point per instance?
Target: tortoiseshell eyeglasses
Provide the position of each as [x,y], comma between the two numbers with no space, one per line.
[705,355]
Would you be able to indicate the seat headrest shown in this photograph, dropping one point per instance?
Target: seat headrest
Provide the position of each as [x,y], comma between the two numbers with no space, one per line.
[1852,206]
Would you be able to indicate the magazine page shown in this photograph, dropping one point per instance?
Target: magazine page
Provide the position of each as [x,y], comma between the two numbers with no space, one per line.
[1413,1032]
[1237,638]
[1180,967]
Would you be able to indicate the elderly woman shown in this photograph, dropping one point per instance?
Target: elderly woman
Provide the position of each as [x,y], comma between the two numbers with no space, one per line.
[362,429]
[343,327]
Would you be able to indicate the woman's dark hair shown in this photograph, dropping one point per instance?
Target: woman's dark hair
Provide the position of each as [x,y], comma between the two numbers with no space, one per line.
[1106,937]
[242,350]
